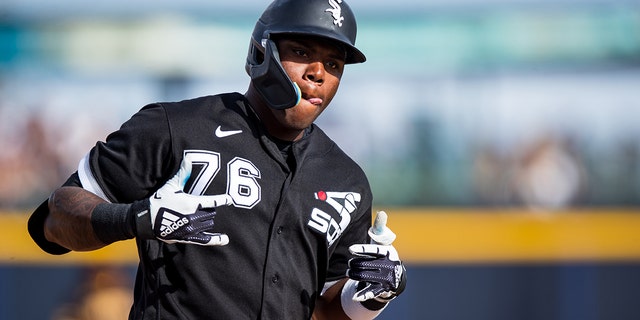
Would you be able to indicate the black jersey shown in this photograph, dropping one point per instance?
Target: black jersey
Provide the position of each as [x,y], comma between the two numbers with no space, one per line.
[290,224]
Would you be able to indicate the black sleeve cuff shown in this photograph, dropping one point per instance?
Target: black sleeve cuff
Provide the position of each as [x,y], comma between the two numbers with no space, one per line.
[373,304]
[35,226]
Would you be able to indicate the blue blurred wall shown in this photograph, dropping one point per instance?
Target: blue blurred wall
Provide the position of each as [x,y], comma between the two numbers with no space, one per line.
[578,291]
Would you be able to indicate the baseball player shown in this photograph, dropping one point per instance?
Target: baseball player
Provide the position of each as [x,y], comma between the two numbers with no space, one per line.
[240,206]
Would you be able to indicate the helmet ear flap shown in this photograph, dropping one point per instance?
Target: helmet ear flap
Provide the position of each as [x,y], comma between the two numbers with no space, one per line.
[271,80]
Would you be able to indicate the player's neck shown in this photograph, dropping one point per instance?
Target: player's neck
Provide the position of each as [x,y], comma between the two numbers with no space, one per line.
[269,121]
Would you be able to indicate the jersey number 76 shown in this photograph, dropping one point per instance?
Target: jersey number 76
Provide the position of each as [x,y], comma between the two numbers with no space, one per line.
[242,175]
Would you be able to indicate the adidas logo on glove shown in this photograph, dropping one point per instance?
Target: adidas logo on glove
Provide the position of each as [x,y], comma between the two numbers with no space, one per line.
[170,223]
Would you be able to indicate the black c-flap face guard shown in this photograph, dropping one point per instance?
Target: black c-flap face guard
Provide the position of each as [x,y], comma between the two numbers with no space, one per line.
[272,82]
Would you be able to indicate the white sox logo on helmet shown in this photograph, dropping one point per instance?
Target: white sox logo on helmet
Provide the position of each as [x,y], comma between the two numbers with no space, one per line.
[344,203]
[336,12]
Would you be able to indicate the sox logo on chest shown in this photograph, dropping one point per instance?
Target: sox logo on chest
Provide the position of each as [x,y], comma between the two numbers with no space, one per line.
[344,203]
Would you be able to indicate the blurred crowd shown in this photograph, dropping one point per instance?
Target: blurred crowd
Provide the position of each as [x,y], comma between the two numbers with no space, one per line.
[550,172]
[29,163]
[555,172]
[37,155]
[546,174]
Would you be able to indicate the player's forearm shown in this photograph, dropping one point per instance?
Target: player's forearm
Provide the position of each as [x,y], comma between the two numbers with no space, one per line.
[69,220]
[328,305]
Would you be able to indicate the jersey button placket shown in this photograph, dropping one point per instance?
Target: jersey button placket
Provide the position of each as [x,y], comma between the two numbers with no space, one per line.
[275,279]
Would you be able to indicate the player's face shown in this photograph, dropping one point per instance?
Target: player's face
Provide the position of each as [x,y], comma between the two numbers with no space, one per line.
[316,65]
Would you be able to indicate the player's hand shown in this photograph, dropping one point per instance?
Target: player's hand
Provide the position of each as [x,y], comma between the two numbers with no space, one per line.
[377,265]
[179,217]
[380,269]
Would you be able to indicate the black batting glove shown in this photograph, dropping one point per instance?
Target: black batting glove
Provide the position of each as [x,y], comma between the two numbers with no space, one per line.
[380,269]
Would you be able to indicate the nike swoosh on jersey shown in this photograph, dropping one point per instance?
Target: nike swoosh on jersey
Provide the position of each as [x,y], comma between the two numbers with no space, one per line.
[225,133]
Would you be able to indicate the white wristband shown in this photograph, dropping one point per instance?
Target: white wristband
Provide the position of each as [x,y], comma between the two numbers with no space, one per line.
[354,309]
